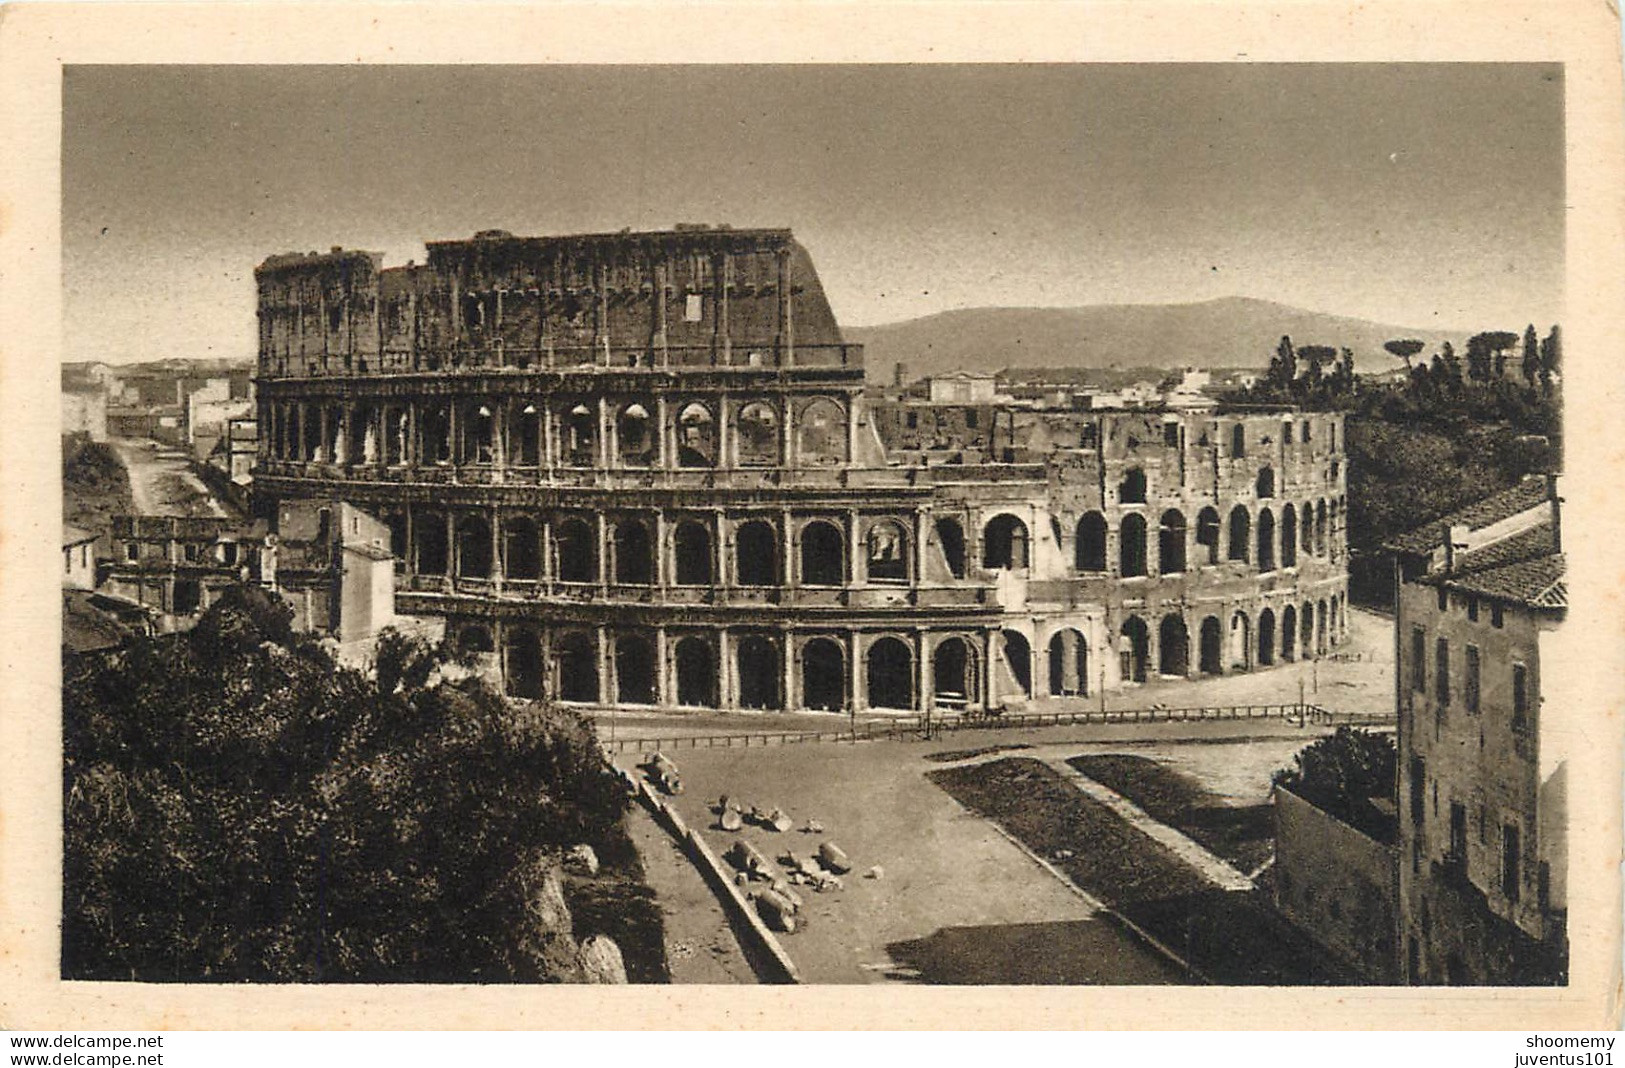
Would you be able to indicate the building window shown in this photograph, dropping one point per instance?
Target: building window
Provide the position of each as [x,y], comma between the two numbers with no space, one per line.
[1441,672]
[1497,616]
[189,552]
[1472,609]
[1170,435]
[1238,441]
[694,308]
[912,419]
[1520,697]
[1444,599]
[972,419]
[1471,682]
[1510,862]
[1419,667]
[1305,431]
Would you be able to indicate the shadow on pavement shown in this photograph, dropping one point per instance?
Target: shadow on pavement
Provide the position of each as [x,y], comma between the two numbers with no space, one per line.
[1083,952]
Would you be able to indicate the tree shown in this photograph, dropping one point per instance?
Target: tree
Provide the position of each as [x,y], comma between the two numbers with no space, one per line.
[1530,367]
[1284,367]
[1404,348]
[1551,359]
[1486,354]
[1342,774]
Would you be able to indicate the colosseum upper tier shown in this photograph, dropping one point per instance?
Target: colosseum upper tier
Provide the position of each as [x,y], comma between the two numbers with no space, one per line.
[642,469]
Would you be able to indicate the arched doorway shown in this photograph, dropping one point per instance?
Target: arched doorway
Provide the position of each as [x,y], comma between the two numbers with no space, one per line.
[1212,651]
[1134,649]
[1266,637]
[474,548]
[1089,551]
[823,554]
[634,558]
[1289,633]
[1241,642]
[1173,647]
[577,556]
[890,671]
[1266,540]
[1240,529]
[953,673]
[696,437]
[952,538]
[634,670]
[696,663]
[1320,628]
[821,434]
[1131,546]
[1171,542]
[759,674]
[575,664]
[756,554]
[1018,654]
[1207,534]
[522,668]
[823,675]
[521,549]
[691,548]
[1306,629]
[1068,664]
[1004,543]
[1289,537]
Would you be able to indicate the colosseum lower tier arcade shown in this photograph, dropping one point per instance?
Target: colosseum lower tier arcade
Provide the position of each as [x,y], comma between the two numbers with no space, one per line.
[641,469]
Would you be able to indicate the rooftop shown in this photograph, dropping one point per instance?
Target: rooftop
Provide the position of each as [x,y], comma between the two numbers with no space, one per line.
[1492,509]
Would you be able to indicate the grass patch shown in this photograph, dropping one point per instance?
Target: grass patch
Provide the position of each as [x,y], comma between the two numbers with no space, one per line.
[951,755]
[1243,835]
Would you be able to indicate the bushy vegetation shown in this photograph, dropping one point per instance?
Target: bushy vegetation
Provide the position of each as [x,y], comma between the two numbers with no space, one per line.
[95,485]
[238,807]
[1342,773]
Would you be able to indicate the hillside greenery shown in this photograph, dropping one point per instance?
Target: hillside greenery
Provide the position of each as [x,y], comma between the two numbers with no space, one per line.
[95,485]
[239,807]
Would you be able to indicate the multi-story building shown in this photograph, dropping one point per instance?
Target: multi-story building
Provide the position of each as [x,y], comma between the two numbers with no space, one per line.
[642,469]
[1482,775]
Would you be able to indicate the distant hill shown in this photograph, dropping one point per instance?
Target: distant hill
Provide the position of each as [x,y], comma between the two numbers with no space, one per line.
[1228,332]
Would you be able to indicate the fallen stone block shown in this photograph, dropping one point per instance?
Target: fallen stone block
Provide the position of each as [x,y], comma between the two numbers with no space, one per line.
[832,857]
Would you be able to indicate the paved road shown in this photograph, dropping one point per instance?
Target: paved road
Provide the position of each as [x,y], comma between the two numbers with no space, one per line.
[162,482]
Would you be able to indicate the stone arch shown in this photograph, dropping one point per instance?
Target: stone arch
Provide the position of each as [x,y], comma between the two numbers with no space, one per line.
[1306,537]
[1068,663]
[429,534]
[1241,641]
[1131,545]
[633,553]
[575,667]
[1266,637]
[757,437]
[823,554]
[756,554]
[634,436]
[1211,660]
[522,662]
[474,547]
[477,428]
[1131,490]
[886,552]
[758,671]
[1289,633]
[435,433]
[1306,629]
[525,435]
[691,552]
[1238,440]
[634,670]
[951,536]
[576,548]
[1320,628]
[1207,533]
[1171,534]
[695,661]
[1320,529]
[1266,540]
[1090,548]
[1173,646]
[889,670]
[696,436]
[1134,649]
[580,436]
[474,638]
[821,434]
[1018,655]
[1005,543]
[823,675]
[1240,528]
[954,677]
[1264,485]
[521,549]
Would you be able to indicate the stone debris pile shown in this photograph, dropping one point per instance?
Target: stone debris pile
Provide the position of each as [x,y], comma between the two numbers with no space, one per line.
[772,887]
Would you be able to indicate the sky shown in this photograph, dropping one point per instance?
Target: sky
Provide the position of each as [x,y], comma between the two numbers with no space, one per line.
[1420,195]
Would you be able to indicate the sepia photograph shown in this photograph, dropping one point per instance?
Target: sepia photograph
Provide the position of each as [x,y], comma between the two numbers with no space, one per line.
[881,524]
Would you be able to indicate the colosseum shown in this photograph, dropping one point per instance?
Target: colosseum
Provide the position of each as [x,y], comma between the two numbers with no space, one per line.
[644,470]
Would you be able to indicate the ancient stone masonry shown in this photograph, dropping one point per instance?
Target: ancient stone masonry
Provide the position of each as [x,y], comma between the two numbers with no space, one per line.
[641,469]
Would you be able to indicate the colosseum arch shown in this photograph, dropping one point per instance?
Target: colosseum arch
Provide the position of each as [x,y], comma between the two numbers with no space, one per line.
[1131,545]
[1068,663]
[1266,540]
[473,547]
[521,549]
[477,429]
[1131,490]
[1208,533]
[633,553]
[522,662]
[695,660]
[1289,633]
[575,546]
[580,436]
[524,435]
[1005,543]
[429,535]
[821,434]
[823,675]
[954,678]
[634,436]
[757,439]
[1266,638]
[1089,550]
[691,552]
[756,662]
[1211,660]
[886,552]
[951,536]
[696,436]
[756,554]
[1171,534]
[1306,538]
[1018,655]
[823,554]
[1306,629]
[1241,641]
[1320,628]
[575,667]
[1320,529]
[1134,649]
[1240,530]
[1173,646]
[1265,484]
[889,670]
[634,670]
[1238,440]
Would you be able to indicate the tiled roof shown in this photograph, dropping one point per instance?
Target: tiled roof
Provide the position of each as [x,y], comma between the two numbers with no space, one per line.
[1492,509]
[1525,568]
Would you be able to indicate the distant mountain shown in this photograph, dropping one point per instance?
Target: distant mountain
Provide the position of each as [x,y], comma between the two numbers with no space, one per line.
[1228,332]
